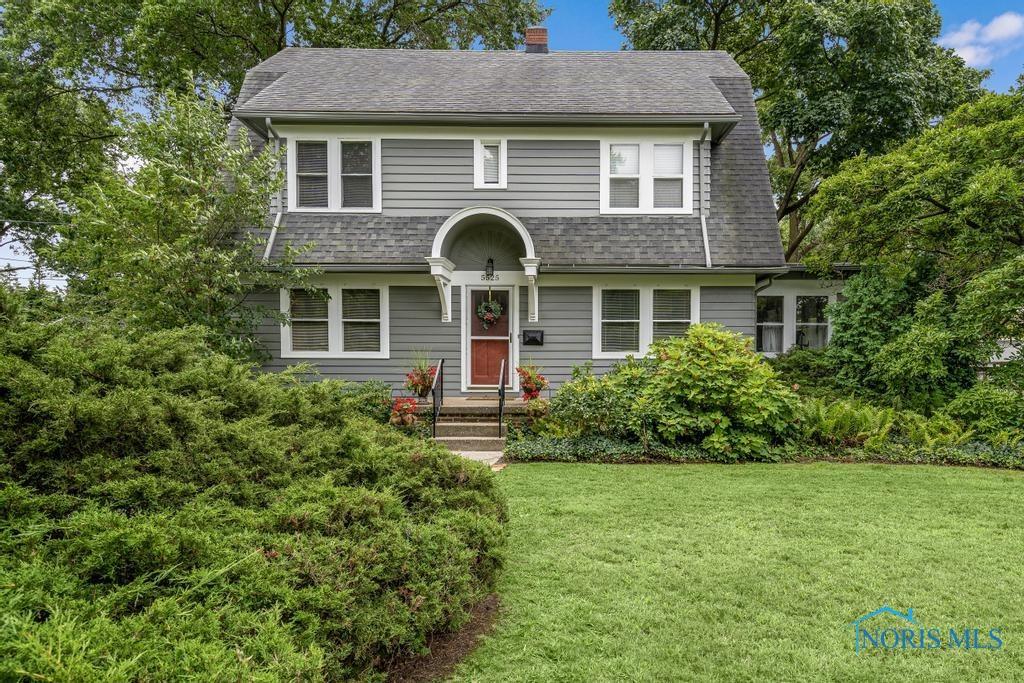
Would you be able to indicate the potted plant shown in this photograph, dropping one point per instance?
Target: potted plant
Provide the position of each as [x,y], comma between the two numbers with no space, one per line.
[531,381]
[421,377]
[403,412]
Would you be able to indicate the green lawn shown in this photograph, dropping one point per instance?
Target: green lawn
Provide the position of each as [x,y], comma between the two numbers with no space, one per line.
[752,572]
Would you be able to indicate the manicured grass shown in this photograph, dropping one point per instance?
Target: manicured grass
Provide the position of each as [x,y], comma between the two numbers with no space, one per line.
[752,572]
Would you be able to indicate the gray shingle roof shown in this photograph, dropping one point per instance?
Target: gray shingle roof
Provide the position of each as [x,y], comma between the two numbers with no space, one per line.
[326,81]
[742,229]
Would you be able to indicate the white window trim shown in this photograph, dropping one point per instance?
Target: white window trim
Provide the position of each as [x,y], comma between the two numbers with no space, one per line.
[333,174]
[647,176]
[478,164]
[789,293]
[646,317]
[334,325]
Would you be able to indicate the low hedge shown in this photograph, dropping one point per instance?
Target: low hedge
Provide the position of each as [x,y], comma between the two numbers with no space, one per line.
[607,450]
[169,513]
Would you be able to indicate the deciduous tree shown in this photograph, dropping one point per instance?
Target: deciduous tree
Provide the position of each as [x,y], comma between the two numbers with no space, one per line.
[832,78]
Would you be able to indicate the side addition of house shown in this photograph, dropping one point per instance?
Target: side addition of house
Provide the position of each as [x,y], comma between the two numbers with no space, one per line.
[591,202]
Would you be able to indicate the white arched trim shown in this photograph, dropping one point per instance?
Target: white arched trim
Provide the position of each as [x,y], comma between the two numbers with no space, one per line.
[462,214]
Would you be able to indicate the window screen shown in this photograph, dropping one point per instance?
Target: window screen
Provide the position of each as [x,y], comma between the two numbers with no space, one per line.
[624,178]
[309,322]
[671,313]
[360,319]
[620,320]
[811,323]
[668,176]
[769,324]
[356,174]
[311,174]
[492,160]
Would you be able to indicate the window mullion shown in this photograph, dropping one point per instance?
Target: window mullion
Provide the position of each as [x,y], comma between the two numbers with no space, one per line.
[646,176]
[335,323]
[646,313]
[334,173]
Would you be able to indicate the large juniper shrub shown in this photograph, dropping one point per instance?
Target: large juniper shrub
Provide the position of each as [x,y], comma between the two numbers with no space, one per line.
[167,512]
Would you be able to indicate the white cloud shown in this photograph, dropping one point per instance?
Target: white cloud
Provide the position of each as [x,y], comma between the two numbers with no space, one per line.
[979,44]
[1005,27]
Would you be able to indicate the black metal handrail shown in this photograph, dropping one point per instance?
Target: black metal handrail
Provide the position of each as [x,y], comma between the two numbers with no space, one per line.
[437,394]
[501,397]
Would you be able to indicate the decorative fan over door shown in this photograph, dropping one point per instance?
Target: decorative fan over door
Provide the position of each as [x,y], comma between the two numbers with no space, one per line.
[489,336]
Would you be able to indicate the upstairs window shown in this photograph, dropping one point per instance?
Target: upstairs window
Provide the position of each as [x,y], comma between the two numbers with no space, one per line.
[624,177]
[311,174]
[646,177]
[490,164]
[356,174]
[334,174]
[668,176]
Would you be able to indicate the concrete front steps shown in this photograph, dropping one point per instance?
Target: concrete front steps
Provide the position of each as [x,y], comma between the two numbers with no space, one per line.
[469,427]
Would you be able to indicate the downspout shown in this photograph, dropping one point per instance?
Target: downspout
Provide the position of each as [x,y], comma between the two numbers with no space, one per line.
[703,207]
[280,197]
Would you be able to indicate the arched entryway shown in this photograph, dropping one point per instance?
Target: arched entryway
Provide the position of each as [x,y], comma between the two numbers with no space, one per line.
[489,255]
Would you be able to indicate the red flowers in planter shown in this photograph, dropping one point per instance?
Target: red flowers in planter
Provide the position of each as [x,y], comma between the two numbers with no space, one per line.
[403,411]
[420,379]
[531,381]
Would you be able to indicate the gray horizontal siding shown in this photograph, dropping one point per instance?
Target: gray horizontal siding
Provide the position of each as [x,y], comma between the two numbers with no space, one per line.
[565,316]
[415,322]
[730,306]
[545,177]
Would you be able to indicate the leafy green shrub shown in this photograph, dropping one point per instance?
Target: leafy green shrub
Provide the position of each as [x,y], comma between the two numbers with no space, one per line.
[708,388]
[589,404]
[166,513]
[990,408]
[810,371]
[595,448]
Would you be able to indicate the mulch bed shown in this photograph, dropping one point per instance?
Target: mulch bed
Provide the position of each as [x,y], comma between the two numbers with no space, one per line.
[448,649]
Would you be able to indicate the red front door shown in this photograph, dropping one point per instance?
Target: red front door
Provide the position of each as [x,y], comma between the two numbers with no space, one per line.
[489,345]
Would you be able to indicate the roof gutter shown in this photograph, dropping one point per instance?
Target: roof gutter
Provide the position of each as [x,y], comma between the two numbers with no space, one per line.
[729,120]
[571,268]
[280,197]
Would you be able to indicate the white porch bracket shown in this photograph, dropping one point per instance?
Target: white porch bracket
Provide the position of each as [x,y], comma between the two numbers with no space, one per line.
[530,267]
[441,269]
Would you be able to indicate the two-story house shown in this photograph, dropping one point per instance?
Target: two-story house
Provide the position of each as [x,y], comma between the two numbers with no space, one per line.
[526,206]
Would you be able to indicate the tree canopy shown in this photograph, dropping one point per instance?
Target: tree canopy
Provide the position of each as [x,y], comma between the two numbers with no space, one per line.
[67,67]
[832,78]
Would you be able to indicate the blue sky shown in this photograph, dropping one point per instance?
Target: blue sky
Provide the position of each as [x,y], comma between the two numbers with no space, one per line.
[987,33]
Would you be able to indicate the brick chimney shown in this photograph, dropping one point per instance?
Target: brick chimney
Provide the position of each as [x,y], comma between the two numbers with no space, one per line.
[537,39]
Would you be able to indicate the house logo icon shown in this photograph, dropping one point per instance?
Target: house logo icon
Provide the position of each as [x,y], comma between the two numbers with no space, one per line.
[907,616]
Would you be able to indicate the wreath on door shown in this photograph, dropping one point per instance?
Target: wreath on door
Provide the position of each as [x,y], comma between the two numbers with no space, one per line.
[489,312]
